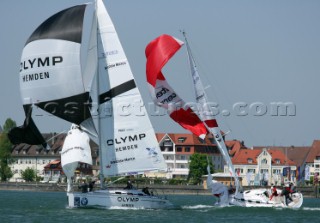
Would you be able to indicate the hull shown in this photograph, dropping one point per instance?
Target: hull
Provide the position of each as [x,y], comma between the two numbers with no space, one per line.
[117,199]
[260,198]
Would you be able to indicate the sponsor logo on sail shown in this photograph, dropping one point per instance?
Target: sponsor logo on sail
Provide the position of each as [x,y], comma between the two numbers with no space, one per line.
[163,92]
[113,65]
[122,160]
[126,139]
[38,63]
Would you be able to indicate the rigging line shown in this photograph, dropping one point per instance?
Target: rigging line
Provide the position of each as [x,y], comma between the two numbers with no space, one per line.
[215,88]
[207,80]
[56,135]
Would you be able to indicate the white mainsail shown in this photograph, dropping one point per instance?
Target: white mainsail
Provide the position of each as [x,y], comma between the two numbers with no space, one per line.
[206,114]
[128,141]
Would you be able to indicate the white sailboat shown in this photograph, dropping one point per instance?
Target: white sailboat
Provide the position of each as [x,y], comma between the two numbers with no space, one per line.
[74,67]
[167,46]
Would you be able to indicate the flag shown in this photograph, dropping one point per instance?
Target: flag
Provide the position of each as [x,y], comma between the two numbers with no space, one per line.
[307,173]
[315,178]
[158,53]
[298,174]
[285,171]
[248,177]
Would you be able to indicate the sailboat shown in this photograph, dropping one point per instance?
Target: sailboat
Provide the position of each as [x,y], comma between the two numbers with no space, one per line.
[74,67]
[164,47]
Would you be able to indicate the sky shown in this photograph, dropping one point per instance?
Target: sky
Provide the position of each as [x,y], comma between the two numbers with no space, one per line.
[252,55]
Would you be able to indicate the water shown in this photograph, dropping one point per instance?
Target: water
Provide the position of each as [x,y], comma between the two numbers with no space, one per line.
[33,207]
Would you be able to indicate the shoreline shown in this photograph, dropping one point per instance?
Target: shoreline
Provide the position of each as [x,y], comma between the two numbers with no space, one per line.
[311,192]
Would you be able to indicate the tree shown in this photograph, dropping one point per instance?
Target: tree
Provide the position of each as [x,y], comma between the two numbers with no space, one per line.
[9,124]
[28,174]
[5,151]
[198,167]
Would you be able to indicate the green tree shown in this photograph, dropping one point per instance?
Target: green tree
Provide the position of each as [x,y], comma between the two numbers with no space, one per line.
[198,168]
[5,151]
[28,174]
[9,124]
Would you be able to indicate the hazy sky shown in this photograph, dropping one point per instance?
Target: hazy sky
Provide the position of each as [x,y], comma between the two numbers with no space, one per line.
[250,54]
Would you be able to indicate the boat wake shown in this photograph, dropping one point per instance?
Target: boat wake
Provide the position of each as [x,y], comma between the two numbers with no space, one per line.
[310,209]
[199,206]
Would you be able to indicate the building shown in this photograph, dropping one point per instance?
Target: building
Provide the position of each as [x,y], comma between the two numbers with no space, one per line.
[38,158]
[313,160]
[256,166]
[177,149]
[263,167]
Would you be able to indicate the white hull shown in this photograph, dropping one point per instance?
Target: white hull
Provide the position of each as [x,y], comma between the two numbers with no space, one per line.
[260,198]
[117,198]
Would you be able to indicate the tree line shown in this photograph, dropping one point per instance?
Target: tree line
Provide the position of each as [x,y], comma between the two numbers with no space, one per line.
[197,166]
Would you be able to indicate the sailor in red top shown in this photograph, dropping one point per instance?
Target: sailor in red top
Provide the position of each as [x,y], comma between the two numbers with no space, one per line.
[274,192]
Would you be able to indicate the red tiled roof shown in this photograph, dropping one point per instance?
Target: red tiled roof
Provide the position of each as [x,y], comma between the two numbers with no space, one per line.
[235,146]
[314,152]
[242,156]
[296,154]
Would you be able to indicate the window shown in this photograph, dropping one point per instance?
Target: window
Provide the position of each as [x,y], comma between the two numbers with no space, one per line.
[249,160]
[179,149]
[239,170]
[251,170]
[182,139]
[187,149]
[277,161]
[276,171]
[264,161]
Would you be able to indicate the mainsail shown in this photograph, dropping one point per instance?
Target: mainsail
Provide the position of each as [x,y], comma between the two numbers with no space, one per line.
[128,141]
[167,45]
[206,113]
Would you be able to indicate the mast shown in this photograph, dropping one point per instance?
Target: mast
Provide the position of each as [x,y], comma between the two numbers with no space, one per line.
[101,176]
[206,114]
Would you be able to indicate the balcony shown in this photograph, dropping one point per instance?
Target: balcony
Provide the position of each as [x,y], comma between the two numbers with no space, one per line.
[182,161]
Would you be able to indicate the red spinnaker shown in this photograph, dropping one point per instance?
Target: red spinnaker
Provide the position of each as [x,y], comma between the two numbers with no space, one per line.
[158,53]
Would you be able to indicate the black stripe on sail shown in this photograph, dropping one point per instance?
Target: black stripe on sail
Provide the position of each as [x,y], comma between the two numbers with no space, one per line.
[122,88]
[64,25]
[74,109]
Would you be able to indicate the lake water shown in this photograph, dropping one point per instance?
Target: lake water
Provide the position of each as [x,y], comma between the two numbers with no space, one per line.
[33,207]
